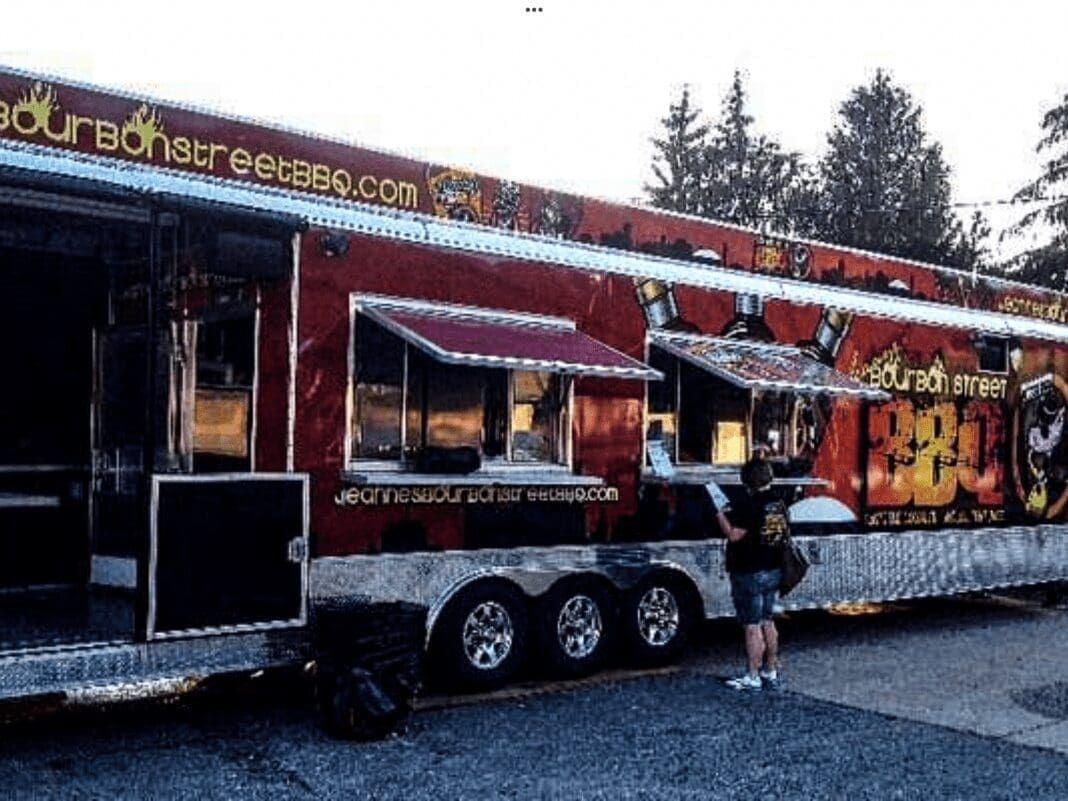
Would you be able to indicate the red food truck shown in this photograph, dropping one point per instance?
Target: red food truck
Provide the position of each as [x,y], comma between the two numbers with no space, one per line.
[254,372]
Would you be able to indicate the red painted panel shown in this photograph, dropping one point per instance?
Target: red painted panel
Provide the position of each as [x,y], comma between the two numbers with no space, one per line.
[954,447]
[603,307]
[273,400]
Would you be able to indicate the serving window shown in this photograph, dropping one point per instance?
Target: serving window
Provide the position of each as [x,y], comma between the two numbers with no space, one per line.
[722,398]
[430,378]
[699,418]
[406,402]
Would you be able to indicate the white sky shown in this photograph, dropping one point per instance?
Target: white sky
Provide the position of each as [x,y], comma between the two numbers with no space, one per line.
[569,97]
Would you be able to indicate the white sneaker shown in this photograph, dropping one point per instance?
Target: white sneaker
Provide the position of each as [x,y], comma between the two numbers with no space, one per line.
[770,679]
[747,682]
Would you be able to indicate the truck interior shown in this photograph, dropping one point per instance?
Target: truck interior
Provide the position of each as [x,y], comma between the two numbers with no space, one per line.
[65,280]
[130,333]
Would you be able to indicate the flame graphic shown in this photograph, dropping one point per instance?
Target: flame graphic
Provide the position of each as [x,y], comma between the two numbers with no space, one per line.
[39,101]
[144,122]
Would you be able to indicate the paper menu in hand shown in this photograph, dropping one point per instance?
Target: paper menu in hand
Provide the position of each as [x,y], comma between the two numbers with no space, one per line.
[659,459]
[719,500]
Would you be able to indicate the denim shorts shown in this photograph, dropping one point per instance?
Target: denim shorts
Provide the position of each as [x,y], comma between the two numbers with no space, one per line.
[754,595]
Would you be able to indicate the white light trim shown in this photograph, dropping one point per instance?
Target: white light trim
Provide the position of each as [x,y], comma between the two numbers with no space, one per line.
[454,311]
[422,158]
[423,229]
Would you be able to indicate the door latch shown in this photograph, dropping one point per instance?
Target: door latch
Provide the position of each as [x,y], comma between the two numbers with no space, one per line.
[298,550]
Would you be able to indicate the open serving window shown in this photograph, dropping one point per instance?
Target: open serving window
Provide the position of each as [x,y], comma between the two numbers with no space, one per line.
[439,388]
[722,398]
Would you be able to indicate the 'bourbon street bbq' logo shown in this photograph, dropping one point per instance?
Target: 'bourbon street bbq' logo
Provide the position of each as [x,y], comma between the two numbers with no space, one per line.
[1039,448]
[36,115]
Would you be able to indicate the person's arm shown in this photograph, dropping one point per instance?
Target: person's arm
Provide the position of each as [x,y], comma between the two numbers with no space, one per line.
[731,532]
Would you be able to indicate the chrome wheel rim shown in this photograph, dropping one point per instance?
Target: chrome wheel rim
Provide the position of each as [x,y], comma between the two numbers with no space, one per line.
[487,635]
[579,627]
[658,616]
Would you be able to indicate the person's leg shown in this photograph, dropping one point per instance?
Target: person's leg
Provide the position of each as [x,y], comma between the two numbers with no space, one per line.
[754,647]
[770,585]
[747,604]
[771,644]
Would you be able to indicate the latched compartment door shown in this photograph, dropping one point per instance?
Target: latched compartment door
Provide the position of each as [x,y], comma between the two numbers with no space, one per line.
[229,552]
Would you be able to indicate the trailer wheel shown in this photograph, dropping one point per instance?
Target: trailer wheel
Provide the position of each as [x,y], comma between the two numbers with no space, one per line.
[577,626]
[658,618]
[480,641]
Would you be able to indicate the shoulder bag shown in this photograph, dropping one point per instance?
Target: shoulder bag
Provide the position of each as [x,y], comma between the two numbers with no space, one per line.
[795,564]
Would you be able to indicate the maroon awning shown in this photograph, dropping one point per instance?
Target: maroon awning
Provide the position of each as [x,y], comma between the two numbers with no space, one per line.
[492,338]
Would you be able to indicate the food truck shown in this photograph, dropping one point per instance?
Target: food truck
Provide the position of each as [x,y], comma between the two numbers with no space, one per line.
[251,372]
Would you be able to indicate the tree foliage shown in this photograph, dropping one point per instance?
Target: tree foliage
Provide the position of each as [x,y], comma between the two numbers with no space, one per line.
[727,171]
[748,178]
[970,249]
[883,185]
[678,156]
[1046,264]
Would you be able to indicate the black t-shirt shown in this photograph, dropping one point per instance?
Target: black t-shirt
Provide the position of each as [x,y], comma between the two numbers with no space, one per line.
[763,516]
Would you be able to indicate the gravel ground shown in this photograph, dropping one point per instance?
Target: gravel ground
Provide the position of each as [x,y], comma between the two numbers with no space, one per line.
[682,736]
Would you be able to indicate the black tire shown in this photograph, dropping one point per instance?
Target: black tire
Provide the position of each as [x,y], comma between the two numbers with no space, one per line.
[658,617]
[480,640]
[577,627]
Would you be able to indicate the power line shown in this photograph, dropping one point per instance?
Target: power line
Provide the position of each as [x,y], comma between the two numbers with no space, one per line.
[912,207]
[1012,201]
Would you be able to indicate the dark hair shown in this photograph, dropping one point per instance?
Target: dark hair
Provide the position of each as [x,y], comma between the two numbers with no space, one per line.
[756,474]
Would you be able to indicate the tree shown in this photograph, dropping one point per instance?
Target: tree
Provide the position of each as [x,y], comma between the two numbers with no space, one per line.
[748,178]
[678,157]
[970,249]
[884,187]
[730,173]
[1046,264]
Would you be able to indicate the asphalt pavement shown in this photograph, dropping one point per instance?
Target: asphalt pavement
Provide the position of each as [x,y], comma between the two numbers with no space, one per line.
[876,707]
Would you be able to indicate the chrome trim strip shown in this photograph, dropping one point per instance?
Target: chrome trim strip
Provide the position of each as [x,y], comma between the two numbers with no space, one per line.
[72,204]
[293,342]
[19,469]
[237,628]
[455,311]
[100,665]
[139,97]
[25,500]
[424,229]
[917,564]
[153,557]
[501,477]
[350,388]
[305,568]
[256,330]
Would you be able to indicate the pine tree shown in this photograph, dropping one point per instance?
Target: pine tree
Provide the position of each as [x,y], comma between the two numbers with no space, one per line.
[748,178]
[970,249]
[678,157]
[884,187]
[1046,264]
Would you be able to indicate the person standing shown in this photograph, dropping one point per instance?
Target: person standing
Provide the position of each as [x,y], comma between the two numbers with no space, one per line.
[755,532]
